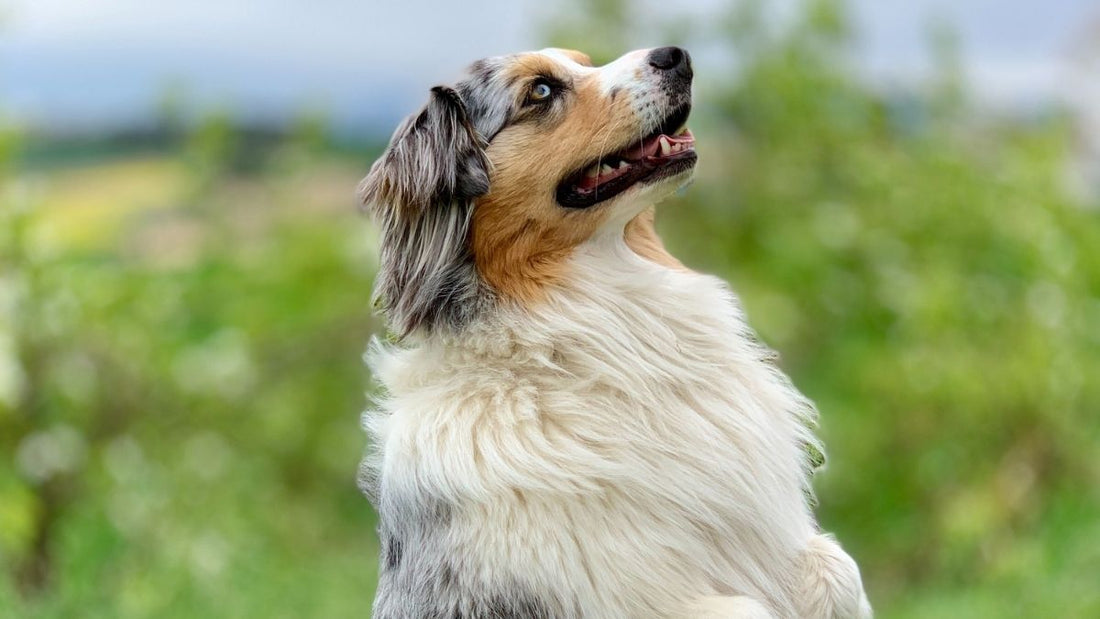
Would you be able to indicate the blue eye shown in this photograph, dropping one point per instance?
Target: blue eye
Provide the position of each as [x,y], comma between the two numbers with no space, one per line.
[541,91]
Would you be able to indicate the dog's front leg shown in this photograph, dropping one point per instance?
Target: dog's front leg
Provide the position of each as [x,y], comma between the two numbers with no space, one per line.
[727,607]
[831,587]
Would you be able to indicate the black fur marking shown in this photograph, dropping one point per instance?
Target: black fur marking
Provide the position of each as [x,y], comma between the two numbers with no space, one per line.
[421,577]
[391,552]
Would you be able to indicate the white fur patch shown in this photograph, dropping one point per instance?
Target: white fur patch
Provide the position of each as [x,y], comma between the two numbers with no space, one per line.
[626,448]
[625,72]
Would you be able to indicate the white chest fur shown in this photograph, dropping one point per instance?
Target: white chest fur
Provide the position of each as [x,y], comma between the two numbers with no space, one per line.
[623,447]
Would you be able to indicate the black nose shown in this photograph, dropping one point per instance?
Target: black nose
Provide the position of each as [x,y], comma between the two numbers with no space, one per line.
[672,59]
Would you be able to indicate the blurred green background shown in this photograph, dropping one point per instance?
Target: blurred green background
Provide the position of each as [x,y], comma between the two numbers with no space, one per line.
[183,308]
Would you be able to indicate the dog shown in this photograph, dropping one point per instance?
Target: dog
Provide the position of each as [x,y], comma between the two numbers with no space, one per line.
[574,424]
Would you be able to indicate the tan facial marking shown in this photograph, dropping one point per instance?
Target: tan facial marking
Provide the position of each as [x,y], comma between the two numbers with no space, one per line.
[641,237]
[522,238]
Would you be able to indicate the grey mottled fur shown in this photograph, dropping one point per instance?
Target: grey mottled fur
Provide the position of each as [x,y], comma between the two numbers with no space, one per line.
[420,579]
[421,193]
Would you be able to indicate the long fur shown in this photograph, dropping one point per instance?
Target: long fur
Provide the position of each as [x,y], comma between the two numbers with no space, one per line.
[421,192]
[622,448]
[619,453]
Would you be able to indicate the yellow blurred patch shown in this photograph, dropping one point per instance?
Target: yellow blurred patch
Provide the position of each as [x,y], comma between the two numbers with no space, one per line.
[84,208]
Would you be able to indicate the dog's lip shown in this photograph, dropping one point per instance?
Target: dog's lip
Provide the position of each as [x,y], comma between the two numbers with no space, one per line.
[648,152]
[645,169]
[669,149]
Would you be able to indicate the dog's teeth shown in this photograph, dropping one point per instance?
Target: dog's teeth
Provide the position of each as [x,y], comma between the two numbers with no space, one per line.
[621,165]
[606,169]
[592,172]
[665,147]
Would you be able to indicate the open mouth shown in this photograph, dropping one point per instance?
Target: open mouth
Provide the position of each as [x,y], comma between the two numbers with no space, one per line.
[666,152]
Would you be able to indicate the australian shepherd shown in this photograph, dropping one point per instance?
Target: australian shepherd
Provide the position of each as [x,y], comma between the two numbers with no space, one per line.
[574,424]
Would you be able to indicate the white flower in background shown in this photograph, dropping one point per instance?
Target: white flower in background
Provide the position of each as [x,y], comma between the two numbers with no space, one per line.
[209,554]
[207,454]
[48,453]
[221,364]
[132,501]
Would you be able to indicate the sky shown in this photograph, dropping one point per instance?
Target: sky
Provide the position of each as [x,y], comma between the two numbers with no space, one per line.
[106,63]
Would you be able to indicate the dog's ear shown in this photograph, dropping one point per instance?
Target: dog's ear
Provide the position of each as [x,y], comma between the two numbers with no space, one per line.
[421,193]
[435,156]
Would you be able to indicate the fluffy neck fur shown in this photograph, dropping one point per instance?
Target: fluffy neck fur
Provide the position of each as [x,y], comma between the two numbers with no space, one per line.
[628,435]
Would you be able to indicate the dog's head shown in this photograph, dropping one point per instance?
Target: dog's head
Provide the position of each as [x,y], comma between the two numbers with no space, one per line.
[483,194]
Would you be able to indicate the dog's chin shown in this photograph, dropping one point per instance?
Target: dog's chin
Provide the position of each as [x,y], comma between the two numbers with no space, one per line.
[659,186]
[632,202]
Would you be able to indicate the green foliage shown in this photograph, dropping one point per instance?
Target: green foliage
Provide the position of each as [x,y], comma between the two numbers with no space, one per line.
[180,376]
[181,411]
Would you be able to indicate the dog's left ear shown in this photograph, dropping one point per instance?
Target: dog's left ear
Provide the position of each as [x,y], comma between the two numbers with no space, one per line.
[421,193]
[434,157]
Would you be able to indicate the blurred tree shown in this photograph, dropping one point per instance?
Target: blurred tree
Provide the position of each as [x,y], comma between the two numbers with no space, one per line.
[45,450]
[210,152]
[171,109]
